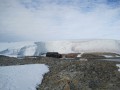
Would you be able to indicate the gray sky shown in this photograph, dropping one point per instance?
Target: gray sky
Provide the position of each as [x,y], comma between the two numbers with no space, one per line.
[36,20]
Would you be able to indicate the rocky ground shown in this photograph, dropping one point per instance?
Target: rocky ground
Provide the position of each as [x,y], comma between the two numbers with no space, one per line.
[73,74]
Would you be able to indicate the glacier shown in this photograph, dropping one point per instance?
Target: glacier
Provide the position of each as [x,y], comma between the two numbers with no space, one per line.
[21,49]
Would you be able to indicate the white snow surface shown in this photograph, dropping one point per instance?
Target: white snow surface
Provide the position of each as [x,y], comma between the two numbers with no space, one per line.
[74,46]
[22,77]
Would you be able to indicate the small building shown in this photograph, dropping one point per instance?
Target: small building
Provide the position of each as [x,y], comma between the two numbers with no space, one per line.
[53,54]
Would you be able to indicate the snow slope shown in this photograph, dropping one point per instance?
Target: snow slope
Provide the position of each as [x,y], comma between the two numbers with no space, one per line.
[22,77]
[27,51]
[75,46]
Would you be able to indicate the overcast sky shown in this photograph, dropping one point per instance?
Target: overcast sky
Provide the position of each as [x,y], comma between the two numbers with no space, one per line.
[39,20]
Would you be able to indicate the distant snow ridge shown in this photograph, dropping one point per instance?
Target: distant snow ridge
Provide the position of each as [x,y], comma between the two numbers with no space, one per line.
[18,49]
[80,46]
[10,52]
[97,46]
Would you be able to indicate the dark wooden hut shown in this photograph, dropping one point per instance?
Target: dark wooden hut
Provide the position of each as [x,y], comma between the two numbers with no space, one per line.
[53,54]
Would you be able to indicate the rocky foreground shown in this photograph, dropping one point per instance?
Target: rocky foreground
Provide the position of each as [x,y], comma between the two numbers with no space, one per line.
[73,74]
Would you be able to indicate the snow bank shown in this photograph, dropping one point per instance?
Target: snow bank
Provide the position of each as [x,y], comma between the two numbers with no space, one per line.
[22,77]
[80,46]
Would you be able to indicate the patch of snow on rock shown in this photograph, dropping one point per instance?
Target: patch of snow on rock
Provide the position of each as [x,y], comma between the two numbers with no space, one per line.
[118,65]
[22,77]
